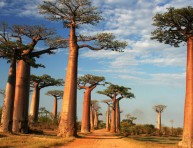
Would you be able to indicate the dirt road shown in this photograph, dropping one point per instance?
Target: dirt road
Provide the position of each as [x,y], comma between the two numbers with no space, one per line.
[98,139]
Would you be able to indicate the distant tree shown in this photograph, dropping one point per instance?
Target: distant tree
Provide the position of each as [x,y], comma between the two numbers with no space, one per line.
[74,14]
[57,94]
[39,82]
[172,126]
[159,109]
[88,82]
[130,118]
[95,112]
[116,93]
[174,27]
[108,119]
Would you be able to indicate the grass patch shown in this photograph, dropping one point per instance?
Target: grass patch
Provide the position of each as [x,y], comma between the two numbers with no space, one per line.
[153,141]
[32,140]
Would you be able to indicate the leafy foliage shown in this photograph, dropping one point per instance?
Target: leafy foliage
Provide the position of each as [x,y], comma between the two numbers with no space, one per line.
[90,80]
[174,26]
[159,108]
[116,90]
[78,11]
[56,93]
[45,81]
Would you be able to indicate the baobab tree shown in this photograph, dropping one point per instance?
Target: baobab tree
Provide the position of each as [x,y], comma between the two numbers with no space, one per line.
[108,119]
[74,14]
[39,82]
[35,34]
[159,109]
[174,27]
[57,94]
[116,93]
[88,82]
[96,112]
[9,50]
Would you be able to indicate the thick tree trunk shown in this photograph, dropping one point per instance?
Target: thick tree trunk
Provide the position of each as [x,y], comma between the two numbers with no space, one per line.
[117,116]
[7,112]
[85,126]
[108,118]
[67,125]
[95,119]
[35,103]
[21,101]
[113,116]
[159,121]
[187,138]
[55,108]
[91,118]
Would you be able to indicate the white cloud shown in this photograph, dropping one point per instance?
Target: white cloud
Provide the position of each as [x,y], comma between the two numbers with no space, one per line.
[2,4]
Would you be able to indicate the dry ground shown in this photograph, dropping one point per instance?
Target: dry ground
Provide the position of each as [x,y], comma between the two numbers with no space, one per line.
[103,139]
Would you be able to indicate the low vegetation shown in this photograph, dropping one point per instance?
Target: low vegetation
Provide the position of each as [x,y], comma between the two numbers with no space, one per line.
[47,139]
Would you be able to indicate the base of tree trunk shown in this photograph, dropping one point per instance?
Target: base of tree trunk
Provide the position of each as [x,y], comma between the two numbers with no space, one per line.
[186,144]
[20,127]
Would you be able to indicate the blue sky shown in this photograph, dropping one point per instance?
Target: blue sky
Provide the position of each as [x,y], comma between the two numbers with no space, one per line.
[154,71]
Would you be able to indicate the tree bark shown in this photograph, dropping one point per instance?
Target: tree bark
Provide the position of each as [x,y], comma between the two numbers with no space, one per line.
[85,126]
[21,101]
[67,125]
[117,108]
[159,121]
[187,138]
[108,118]
[55,108]
[95,119]
[91,118]
[113,116]
[7,112]
[35,103]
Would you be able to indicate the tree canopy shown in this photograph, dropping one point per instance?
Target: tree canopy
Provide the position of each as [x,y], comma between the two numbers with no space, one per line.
[118,91]
[55,93]
[89,80]
[159,108]
[174,26]
[45,81]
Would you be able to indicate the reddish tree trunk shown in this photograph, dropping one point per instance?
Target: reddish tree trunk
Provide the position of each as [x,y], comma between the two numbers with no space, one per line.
[187,138]
[159,120]
[67,125]
[85,126]
[117,108]
[108,118]
[95,119]
[55,108]
[35,103]
[7,112]
[21,101]
[113,116]
[91,118]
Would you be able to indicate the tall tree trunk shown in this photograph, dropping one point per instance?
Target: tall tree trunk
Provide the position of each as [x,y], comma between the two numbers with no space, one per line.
[159,121]
[95,119]
[187,138]
[117,116]
[108,118]
[113,116]
[35,103]
[91,118]
[21,101]
[55,108]
[67,125]
[7,112]
[85,126]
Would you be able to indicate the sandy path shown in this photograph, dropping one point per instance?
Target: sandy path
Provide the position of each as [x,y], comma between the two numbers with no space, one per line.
[98,139]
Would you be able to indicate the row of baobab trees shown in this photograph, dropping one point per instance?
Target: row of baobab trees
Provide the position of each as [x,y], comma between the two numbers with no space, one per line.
[172,27]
